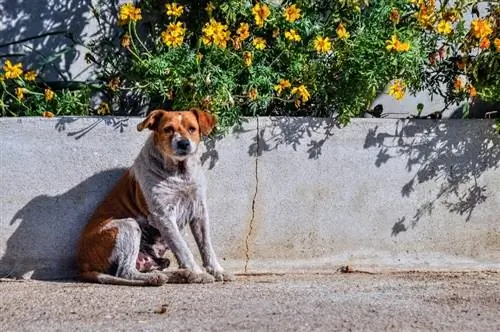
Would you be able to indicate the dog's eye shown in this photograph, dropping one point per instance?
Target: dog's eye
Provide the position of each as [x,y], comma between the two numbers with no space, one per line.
[168,130]
[191,130]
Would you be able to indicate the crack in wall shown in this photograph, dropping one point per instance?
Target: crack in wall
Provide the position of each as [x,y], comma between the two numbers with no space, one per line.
[252,219]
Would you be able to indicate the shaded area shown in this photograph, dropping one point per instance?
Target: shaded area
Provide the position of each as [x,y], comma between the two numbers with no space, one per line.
[50,225]
[293,132]
[48,35]
[116,123]
[451,154]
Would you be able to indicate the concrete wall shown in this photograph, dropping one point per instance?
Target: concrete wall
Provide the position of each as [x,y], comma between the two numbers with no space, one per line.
[285,194]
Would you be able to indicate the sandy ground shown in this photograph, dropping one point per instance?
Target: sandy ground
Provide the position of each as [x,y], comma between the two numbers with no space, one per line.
[291,302]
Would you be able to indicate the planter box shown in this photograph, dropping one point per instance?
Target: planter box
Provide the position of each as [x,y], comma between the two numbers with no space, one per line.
[285,194]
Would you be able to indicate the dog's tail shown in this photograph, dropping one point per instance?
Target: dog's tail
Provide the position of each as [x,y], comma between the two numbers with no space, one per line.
[143,279]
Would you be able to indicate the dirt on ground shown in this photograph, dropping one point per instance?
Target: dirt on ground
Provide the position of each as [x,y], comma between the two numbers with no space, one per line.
[285,302]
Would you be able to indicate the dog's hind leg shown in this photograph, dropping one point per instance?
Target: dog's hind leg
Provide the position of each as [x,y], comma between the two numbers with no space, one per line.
[123,270]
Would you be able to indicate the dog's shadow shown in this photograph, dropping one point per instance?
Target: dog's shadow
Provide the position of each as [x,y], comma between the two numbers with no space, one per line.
[47,229]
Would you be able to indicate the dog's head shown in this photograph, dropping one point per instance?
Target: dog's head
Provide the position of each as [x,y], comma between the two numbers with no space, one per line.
[178,133]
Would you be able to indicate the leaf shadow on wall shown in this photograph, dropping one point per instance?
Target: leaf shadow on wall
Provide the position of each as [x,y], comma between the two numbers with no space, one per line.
[452,154]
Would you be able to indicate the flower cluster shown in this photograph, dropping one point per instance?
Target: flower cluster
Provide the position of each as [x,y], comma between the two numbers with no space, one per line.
[129,13]
[216,33]
[24,91]
[254,57]
[174,34]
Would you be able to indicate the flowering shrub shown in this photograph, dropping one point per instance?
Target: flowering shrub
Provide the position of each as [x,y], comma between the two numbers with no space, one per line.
[22,93]
[313,58]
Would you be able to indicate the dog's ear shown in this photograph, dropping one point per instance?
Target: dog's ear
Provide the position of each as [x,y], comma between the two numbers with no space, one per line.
[206,121]
[151,121]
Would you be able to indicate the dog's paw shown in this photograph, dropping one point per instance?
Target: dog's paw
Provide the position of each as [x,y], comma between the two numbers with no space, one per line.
[220,275]
[200,278]
[156,279]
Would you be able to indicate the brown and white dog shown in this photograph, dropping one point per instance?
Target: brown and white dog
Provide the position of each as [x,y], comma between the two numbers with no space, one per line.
[143,215]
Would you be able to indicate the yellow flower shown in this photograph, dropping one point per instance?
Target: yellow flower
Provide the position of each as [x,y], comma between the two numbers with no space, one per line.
[48,114]
[444,27]
[397,89]
[247,58]
[174,9]
[260,12]
[243,31]
[291,13]
[125,40]
[259,43]
[302,92]
[30,76]
[48,94]
[282,85]
[12,71]
[128,12]
[394,44]
[103,109]
[210,8]
[497,44]
[292,35]
[480,28]
[174,35]
[342,32]
[322,44]
[484,43]
[215,33]
[252,94]
[20,93]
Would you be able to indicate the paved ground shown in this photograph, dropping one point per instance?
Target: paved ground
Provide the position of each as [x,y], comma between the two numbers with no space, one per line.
[312,302]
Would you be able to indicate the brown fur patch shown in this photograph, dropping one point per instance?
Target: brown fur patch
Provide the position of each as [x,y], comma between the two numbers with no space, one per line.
[98,239]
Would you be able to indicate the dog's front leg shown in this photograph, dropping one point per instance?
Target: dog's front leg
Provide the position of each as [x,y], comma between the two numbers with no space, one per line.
[200,228]
[166,222]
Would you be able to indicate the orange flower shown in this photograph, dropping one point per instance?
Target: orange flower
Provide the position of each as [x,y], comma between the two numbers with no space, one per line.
[480,28]
[394,16]
[243,31]
[48,114]
[291,13]
[484,43]
[260,12]
[282,85]
[125,40]
[252,94]
[497,44]
[472,91]
[458,83]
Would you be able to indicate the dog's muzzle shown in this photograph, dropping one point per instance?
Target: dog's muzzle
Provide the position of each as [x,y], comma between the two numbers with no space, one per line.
[183,147]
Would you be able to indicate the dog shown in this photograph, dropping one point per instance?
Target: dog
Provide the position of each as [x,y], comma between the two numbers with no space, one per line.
[143,215]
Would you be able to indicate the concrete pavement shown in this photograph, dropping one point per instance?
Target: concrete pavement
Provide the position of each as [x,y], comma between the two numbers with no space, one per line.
[290,302]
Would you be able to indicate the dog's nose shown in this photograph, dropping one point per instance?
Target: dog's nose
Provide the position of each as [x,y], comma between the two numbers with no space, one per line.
[183,145]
